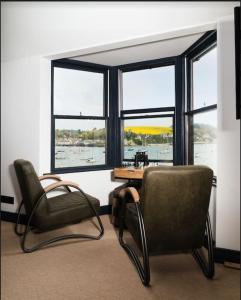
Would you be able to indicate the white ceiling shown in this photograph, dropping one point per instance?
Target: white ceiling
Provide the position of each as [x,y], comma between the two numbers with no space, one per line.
[147,51]
[63,29]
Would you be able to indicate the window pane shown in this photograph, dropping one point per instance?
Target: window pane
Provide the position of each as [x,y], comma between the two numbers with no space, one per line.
[205,80]
[155,136]
[205,139]
[79,143]
[149,88]
[78,92]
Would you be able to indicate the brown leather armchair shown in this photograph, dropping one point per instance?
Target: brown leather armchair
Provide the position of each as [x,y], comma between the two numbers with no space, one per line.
[169,216]
[44,214]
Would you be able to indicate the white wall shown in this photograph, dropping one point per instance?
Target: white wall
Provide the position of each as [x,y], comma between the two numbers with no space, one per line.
[19,119]
[228,185]
[31,31]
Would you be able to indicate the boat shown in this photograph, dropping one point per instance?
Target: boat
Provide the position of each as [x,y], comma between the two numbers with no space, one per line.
[92,160]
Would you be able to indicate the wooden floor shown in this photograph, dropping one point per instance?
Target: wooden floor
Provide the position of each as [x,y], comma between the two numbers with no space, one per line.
[102,270]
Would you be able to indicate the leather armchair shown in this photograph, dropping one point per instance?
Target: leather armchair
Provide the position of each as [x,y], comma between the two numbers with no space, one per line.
[169,216]
[44,214]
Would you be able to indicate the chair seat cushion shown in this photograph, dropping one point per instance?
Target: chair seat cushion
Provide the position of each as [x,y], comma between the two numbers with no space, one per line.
[66,209]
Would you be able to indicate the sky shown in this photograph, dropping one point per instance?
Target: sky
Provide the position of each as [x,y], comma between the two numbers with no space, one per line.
[78,92]
[205,80]
[149,88]
[205,87]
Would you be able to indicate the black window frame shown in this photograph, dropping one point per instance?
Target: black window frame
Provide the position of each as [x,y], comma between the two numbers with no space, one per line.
[88,67]
[114,115]
[176,111]
[201,47]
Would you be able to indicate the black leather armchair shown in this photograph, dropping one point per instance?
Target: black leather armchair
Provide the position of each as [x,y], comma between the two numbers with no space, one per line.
[169,216]
[44,214]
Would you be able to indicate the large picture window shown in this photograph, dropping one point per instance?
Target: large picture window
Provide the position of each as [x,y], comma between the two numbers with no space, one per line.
[103,115]
[202,105]
[148,113]
[79,118]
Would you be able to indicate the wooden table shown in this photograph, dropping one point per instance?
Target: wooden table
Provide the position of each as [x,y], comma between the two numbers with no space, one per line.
[128,173]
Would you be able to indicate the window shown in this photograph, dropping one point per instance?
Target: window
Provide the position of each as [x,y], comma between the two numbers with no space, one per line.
[154,136]
[79,119]
[102,115]
[148,113]
[78,92]
[149,88]
[79,143]
[205,79]
[202,105]
[204,139]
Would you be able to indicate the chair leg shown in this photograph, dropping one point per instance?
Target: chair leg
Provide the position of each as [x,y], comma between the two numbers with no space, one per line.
[58,238]
[16,230]
[143,270]
[17,222]
[53,240]
[207,267]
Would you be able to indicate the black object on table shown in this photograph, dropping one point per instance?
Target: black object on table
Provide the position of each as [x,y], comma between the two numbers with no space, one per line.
[141,156]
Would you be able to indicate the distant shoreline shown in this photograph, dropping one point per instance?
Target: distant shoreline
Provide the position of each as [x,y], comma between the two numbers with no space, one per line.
[80,145]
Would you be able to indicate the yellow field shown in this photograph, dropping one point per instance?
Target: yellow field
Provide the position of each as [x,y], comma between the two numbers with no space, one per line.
[152,130]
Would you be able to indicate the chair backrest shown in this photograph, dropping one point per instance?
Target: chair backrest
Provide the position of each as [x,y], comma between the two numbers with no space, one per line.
[30,186]
[174,203]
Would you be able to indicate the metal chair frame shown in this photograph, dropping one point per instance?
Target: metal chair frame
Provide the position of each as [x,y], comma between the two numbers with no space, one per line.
[28,226]
[143,268]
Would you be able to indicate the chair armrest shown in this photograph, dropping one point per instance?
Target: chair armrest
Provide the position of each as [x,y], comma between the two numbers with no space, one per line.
[49,176]
[59,184]
[131,191]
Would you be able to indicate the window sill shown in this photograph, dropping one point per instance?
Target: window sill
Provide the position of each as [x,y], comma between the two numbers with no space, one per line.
[80,169]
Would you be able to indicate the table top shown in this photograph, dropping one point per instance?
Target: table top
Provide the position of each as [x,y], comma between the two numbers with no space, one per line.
[128,173]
